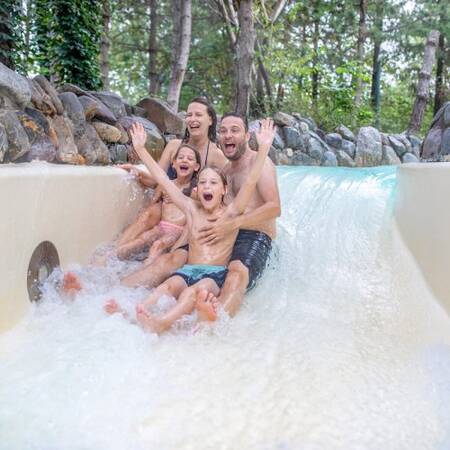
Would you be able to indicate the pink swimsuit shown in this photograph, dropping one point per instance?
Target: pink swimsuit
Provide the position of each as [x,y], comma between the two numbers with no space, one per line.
[170,229]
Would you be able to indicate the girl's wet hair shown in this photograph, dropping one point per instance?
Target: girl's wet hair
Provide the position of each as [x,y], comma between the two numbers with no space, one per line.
[218,171]
[211,113]
[187,191]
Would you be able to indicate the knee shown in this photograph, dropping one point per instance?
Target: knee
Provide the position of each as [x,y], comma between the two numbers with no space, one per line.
[236,268]
[177,258]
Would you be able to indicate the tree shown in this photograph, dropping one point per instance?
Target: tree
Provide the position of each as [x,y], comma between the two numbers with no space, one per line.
[424,82]
[9,32]
[360,50]
[180,49]
[153,49]
[105,44]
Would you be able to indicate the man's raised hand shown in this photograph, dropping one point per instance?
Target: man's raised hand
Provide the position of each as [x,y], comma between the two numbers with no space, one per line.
[265,134]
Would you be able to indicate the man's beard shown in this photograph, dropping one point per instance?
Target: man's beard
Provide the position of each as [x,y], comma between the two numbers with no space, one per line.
[240,150]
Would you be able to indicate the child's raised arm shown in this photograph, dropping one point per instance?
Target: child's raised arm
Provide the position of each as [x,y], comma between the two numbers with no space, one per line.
[264,136]
[138,137]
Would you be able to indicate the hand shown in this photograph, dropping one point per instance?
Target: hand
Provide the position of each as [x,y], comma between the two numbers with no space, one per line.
[130,168]
[142,176]
[211,234]
[265,134]
[138,138]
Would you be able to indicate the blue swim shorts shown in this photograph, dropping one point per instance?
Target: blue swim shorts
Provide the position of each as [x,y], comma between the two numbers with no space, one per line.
[191,273]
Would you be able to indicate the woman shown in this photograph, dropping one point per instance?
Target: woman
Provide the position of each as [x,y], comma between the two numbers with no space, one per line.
[201,123]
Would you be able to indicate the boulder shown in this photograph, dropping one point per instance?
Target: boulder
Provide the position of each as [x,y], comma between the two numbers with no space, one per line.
[18,142]
[368,147]
[445,143]
[107,133]
[283,120]
[345,133]
[118,153]
[50,91]
[252,142]
[344,159]
[310,122]
[334,140]
[75,111]
[329,159]
[414,140]
[409,158]
[40,100]
[278,141]
[398,146]
[113,102]
[14,89]
[91,147]
[93,108]
[39,118]
[162,116]
[302,159]
[41,150]
[273,155]
[432,148]
[124,138]
[390,157]
[3,142]
[294,139]
[384,139]
[67,151]
[69,87]
[303,127]
[349,148]
[155,142]
[316,149]
[404,140]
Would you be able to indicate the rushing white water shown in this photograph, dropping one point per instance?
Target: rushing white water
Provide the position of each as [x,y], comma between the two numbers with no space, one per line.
[341,346]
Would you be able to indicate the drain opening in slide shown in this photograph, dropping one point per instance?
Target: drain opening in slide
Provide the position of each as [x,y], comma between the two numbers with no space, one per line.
[43,260]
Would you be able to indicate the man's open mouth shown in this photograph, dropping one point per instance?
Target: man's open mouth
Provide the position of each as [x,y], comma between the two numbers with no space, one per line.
[230,147]
[207,197]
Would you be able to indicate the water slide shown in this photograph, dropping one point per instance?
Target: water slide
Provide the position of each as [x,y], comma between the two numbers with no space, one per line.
[344,344]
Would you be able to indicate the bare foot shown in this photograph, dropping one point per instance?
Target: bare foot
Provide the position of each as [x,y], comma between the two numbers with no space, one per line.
[206,305]
[71,284]
[112,307]
[148,322]
[149,260]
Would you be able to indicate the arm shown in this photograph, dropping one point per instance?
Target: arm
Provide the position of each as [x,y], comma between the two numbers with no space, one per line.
[138,137]
[264,137]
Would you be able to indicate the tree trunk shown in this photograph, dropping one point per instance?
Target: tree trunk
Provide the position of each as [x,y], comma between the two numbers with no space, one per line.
[375,93]
[360,50]
[423,86]
[153,75]
[244,56]
[315,60]
[104,45]
[180,50]
[439,94]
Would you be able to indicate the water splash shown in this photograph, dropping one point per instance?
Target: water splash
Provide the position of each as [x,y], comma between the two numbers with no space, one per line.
[340,346]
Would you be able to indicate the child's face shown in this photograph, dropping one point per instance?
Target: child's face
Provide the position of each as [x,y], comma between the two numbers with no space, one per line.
[210,189]
[197,119]
[185,163]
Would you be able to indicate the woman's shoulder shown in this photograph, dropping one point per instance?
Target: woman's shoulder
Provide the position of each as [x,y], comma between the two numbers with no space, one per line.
[216,158]
[172,145]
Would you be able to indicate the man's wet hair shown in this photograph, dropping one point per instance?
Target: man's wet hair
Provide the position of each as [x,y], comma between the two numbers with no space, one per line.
[211,113]
[238,115]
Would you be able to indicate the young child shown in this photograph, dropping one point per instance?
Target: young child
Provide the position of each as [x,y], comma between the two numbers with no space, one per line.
[186,163]
[205,270]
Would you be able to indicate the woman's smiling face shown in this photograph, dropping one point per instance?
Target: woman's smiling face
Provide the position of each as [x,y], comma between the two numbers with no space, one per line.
[198,120]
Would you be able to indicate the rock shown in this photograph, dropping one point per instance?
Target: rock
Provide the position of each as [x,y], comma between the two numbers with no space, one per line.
[321,134]
[18,142]
[334,139]
[69,87]
[398,146]
[3,142]
[446,115]
[112,101]
[155,143]
[39,118]
[14,89]
[385,139]
[93,108]
[349,148]
[252,142]
[119,153]
[344,159]
[124,138]
[329,159]
[50,91]
[75,111]
[316,149]
[345,133]
[289,152]
[273,155]
[254,125]
[278,141]
[303,127]
[107,133]
[91,147]
[368,147]
[283,159]
[445,143]
[294,139]
[409,158]
[310,122]
[296,115]
[41,150]
[414,140]
[405,141]
[129,109]
[67,151]
[302,159]
[162,116]
[431,147]
[40,100]
[390,157]
[283,120]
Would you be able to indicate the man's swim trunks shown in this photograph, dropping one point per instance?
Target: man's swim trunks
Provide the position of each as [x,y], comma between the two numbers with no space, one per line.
[194,273]
[252,248]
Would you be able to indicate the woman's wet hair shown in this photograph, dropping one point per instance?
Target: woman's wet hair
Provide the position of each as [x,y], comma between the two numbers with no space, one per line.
[211,113]
[187,191]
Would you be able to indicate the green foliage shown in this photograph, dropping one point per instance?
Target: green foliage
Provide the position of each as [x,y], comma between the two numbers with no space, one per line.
[11,33]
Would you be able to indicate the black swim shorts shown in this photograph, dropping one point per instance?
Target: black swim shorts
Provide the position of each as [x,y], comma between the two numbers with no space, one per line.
[252,248]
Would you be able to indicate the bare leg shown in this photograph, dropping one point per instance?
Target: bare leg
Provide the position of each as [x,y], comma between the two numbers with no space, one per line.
[185,305]
[137,244]
[159,271]
[233,290]
[71,284]
[206,305]
[146,219]
[159,247]
[174,286]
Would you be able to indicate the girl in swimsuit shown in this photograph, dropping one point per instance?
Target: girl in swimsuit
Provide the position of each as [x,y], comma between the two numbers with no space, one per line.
[201,122]
[186,164]
[205,270]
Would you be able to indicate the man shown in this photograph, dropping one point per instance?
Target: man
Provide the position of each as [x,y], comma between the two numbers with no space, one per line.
[257,225]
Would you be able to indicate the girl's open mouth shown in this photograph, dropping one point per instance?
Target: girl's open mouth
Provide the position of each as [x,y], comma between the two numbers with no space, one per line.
[207,197]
